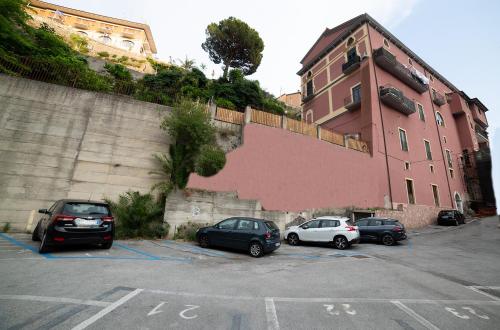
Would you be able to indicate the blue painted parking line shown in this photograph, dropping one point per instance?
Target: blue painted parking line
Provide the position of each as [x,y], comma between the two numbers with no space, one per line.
[191,248]
[128,248]
[23,245]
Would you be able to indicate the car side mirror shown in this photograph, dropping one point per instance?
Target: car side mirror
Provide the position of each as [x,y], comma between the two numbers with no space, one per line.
[305,227]
[43,211]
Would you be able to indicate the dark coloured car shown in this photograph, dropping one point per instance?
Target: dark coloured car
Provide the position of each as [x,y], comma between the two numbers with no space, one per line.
[257,236]
[450,217]
[381,230]
[71,221]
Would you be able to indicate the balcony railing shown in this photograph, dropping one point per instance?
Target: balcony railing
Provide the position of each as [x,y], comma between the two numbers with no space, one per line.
[438,99]
[388,62]
[394,98]
[352,103]
[351,65]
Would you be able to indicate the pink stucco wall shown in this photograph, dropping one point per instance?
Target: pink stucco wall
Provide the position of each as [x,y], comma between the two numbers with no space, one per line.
[292,172]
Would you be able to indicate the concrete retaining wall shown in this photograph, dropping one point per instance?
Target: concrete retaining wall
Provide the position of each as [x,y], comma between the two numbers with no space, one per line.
[58,142]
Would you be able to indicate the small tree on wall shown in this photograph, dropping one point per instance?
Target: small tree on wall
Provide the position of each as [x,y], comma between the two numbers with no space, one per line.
[193,147]
[235,44]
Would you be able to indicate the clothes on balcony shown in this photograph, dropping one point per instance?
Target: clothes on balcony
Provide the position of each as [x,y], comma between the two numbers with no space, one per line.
[419,75]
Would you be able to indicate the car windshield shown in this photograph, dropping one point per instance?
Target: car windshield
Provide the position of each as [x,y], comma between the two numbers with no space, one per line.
[85,209]
[271,225]
[446,213]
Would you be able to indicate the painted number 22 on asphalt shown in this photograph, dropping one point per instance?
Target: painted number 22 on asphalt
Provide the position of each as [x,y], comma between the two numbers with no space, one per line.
[330,309]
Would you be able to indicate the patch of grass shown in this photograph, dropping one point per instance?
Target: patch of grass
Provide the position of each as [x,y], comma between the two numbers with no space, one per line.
[187,231]
[6,227]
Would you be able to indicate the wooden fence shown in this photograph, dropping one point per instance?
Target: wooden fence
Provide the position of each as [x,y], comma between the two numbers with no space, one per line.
[357,145]
[265,118]
[229,116]
[332,137]
[301,127]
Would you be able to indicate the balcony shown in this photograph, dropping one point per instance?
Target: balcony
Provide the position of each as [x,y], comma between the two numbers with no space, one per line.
[388,62]
[395,99]
[351,65]
[352,103]
[481,135]
[438,99]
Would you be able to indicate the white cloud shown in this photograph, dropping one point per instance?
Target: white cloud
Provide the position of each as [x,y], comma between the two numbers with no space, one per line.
[288,28]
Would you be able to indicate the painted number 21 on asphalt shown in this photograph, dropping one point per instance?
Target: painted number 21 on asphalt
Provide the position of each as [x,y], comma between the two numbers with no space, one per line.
[186,314]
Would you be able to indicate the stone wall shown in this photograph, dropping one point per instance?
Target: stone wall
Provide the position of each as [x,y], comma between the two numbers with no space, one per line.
[58,142]
[412,216]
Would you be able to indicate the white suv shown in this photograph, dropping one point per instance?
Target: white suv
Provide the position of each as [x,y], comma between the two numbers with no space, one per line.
[339,230]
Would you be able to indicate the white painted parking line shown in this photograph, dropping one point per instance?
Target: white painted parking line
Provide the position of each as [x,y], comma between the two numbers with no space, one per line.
[479,289]
[272,317]
[383,300]
[413,314]
[107,310]
[55,300]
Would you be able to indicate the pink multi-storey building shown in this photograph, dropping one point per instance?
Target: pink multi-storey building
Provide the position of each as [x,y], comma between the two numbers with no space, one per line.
[427,139]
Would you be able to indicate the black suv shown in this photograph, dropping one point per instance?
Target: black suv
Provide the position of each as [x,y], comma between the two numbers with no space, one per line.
[450,217]
[73,221]
[386,231]
[257,236]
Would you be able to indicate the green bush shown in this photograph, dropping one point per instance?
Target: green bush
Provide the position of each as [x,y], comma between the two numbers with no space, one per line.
[210,160]
[6,227]
[79,43]
[103,54]
[138,216]
[223,103]
[188,231]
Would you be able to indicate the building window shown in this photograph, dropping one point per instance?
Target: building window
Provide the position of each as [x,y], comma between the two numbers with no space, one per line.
[466,158]
[435,193]
[410,61]
[407,166]
[356,93]
[421,113]
[309,74]
[403,140]
[439,119]
[448,158]
[105,40]
[431,168]
[309,116]
[386,43]
[431,78]
[83,33]
[444,139]
[428,152]
[451,173]
[310,89]
[410,191]
[127,44]
[350,41]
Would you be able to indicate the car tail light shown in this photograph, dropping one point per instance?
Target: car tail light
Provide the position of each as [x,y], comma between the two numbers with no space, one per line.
[59,239]
[62,217]
[397,229]
[267,235]
[107,238]
[351,228]
[108,219]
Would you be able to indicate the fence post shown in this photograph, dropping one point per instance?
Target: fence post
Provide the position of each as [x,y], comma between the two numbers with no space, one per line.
[346,141]
[212,109]
[284,121]
[248,114]
[318,132]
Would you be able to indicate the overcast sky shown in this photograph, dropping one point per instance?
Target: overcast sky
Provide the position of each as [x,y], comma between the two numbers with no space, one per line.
[460,39]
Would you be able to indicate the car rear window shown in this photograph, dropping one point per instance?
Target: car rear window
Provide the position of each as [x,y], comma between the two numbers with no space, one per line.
[391,222]
[349,222]
[271,225]
[85,209]
[446,213]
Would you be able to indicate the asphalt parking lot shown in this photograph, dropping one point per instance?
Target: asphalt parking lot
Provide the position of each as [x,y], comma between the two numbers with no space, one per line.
[441,278]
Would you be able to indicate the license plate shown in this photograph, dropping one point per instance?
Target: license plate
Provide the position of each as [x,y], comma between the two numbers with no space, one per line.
[277,244]
[86,222]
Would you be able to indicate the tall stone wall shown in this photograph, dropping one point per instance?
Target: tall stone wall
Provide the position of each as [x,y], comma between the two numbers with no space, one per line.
[59,142]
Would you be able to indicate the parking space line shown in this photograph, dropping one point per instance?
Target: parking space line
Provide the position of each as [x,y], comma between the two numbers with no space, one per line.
[272,317]
[191,249]
[23,245]
[125,247]
[413,314]
[107,310]
[55,300]
[479,289]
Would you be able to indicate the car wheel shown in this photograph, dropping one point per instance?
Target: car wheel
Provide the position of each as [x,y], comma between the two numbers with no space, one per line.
[43,245]
[107,245]
[256,250]
[203,241]
[341,242]
[388,240]
[34,235]
[293,239]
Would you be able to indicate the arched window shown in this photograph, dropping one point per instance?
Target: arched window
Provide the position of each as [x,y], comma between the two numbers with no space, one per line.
[458,203]
[105,39]
[439,119]
[350,41]
[386,43]
[127,44]
[309,116]
[83,33]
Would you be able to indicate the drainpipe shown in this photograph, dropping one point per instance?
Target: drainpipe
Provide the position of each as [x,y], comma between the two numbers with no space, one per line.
[441,146]
[382,121]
